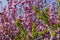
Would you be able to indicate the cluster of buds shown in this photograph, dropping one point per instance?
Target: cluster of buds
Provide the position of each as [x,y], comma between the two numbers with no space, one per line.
[53,13]
[16,8]
[8,28]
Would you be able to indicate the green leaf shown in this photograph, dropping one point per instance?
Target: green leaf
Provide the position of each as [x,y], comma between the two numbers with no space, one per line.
[43,15]
[36,9]
[59,1]
[53,33]
[44,18]
[23,32]
[55,26]
[40,33]
[17,22]
[46,9]
[34,33]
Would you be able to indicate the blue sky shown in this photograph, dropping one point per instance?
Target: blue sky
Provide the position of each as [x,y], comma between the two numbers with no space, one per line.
[4,3]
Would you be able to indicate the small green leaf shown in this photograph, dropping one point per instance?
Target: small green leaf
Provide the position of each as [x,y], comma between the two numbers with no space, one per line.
[17,22]
[40,33]
[36,9]
[23,32]
[34,33]
[53,33]
[59,1]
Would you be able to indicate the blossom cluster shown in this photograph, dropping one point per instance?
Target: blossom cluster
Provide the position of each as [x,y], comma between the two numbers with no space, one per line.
[29,12]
